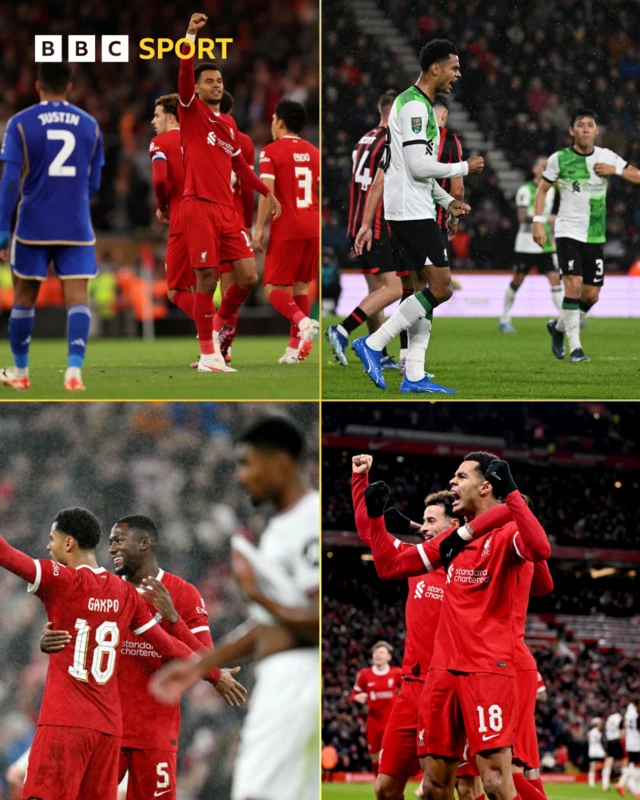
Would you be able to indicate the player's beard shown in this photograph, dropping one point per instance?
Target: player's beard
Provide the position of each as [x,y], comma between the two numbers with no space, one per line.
[124,571]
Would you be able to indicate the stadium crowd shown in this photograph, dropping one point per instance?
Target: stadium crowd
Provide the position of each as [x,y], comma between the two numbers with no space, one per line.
[173,462]
[274,54]
[361,610]
[523,72]
[575,505]
[606,428]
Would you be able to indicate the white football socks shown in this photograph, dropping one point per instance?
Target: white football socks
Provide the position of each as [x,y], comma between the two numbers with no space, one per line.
[419,334]
[509,297]
[406,315]
[571,318]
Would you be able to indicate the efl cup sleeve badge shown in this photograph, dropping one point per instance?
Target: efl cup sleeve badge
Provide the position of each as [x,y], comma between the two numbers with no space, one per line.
[416,124]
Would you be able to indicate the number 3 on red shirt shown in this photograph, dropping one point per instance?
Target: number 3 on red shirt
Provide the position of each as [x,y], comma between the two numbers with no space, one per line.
[305,182]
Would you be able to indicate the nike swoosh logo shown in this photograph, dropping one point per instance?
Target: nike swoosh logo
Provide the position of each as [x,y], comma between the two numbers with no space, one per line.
[157,794]
[486,738]
[207,316]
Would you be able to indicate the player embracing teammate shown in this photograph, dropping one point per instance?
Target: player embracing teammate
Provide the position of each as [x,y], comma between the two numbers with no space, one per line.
[478,698]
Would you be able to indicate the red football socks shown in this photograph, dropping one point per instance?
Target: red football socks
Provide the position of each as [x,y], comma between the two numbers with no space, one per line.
[526,790]
[304,304]
[537,782]
[285,305]
[184,301]
[203,317]
[232,300]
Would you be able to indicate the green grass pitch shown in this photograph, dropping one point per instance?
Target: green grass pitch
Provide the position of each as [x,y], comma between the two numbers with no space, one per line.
[555,791]
[133,369]
[472,356]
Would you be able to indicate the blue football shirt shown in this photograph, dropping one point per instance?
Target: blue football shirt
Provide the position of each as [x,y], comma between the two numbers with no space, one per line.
[57,145]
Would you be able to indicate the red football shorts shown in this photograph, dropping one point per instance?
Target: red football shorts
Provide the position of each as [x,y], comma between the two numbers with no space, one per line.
[525,748]
[399,755]
[479,707]
[375,732]
[214,233]
[72,764]
[290,261]
[467,767]
[180,275]
[152,773]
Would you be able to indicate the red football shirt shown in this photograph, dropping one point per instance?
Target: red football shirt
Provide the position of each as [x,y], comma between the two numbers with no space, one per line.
[98,609]
[167,147]
[424,601]
[146,723]
[422,614]
[209,141]
[475,632]
[381,689]
[523,656]
[243,194]
[294,165]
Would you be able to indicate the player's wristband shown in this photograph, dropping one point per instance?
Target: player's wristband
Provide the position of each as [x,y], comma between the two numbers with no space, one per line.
[540,218]
[453,219]
[190,36]
[215,674]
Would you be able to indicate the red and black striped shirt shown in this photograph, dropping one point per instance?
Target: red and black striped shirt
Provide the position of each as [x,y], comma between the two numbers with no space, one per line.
[450,152]
[367,156]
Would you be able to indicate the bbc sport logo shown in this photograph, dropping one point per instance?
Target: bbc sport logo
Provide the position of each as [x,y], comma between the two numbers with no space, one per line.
[116,48]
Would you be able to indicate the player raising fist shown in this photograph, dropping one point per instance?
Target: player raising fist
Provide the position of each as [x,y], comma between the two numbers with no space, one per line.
[213,229]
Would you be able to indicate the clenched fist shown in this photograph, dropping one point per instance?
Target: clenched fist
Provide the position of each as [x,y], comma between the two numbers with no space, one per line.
[196,22]
[362,464]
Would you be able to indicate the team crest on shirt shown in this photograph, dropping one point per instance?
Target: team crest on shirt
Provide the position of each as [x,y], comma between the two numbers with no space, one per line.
[390,682]
[450,572]
[419,590]
[203,256]
[416,124]
[486,550]
[421,738]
